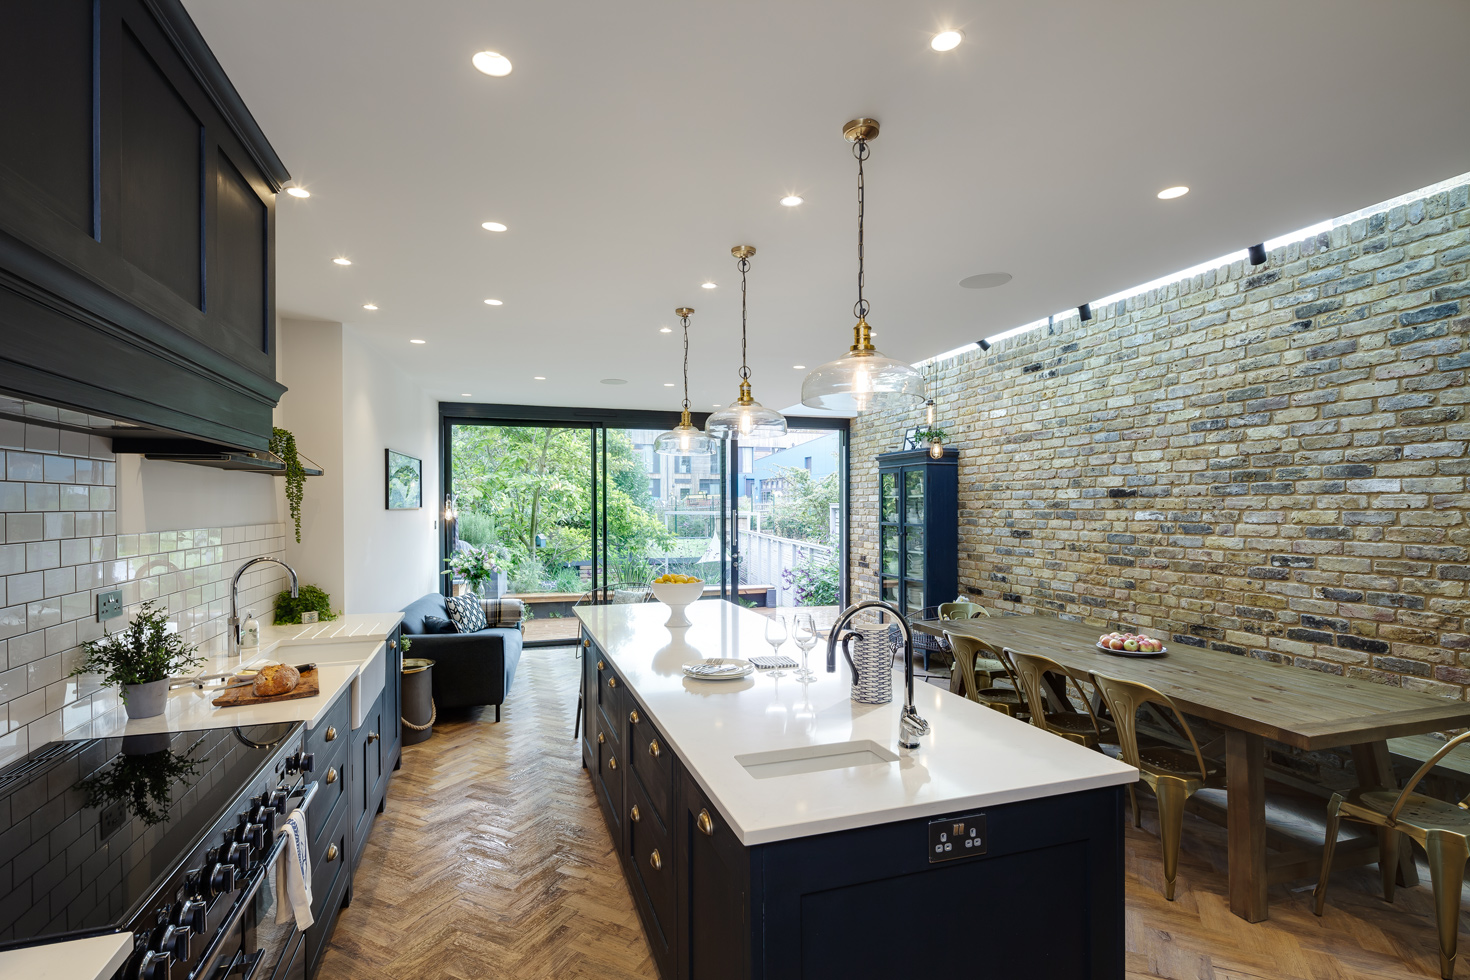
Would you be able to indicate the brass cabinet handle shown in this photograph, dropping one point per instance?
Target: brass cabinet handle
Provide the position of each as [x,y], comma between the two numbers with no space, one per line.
[393,644]
[705,824]
[332,852]
[612,682]
[372,737]
[656,861]
[653,749]
[633,716]
[331,735]
[635,814]
[612,762]
[586,643]
[331,775]
[601,665]
[601,738]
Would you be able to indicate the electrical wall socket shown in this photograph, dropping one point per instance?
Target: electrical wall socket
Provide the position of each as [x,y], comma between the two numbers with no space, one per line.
[109,605]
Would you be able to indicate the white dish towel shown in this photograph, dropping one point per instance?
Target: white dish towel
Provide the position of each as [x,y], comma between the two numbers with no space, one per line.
[293,874]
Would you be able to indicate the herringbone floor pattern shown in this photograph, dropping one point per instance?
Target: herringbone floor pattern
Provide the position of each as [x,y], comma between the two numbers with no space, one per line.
[492,861]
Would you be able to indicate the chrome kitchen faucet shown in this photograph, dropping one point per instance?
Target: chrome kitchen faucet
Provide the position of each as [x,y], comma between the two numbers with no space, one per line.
[235,635]
[910,725]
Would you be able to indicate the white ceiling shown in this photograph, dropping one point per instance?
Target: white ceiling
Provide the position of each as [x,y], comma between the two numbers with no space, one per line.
[636,142]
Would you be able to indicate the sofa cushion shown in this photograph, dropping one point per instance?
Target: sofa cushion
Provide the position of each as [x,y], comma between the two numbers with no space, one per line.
[503,612]
[414,613]
[466,613]
[438,624]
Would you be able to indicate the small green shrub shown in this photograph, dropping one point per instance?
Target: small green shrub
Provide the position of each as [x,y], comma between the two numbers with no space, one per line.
[143,652]
[309,598]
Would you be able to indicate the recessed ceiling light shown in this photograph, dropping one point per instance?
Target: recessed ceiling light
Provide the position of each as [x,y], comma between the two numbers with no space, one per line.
[538,378]
[418,341]
[798,367]
[370,306]
[1169,193]
[708,285]
[668,384]
[492,226]
[946,40]
[986,280]
[342,261]
[791,200]
[614,381]
[465,394]
[492,63]
[298,192]
[493,302]
[664,330]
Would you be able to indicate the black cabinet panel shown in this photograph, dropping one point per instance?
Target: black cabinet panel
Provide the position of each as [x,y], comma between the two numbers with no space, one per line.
[918,522]
[46,117]
[237,277]
[161,167]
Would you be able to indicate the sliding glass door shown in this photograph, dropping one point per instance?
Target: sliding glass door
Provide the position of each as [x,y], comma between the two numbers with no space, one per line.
[566,505]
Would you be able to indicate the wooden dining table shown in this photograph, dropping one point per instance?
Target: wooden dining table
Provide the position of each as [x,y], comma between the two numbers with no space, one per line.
[1251,700]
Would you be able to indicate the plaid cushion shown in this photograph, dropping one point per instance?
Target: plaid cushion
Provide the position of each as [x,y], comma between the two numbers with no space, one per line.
[503,612]
[465,612]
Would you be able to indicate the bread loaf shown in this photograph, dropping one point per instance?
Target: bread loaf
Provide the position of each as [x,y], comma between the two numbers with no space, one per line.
[276,679]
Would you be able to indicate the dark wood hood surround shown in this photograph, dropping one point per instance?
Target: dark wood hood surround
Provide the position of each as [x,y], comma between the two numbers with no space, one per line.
[137,224]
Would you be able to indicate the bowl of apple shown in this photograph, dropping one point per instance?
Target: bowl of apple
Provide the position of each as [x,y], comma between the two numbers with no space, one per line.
[677,592]
[1131,645]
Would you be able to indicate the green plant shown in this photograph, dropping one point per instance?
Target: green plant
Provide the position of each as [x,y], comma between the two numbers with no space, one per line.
[405,644]
[475,565]
[813,578]
[309,598]
[283,444]
[146,651]
[929,435]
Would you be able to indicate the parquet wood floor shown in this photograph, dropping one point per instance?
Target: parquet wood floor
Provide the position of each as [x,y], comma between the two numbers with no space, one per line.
[492,861]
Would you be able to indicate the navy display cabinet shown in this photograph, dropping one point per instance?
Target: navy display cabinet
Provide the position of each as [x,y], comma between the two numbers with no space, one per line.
[918,528]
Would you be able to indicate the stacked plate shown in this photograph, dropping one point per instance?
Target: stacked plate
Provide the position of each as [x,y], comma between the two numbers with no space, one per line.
[718,669]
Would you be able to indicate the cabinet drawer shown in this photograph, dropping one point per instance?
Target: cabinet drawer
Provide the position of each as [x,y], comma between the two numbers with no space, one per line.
[650,758]
[651,853]
[610,777]
[333,731]
[609,698]
[327,805]
[326,869]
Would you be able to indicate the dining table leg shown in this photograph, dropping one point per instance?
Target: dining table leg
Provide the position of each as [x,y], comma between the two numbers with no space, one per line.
[1245,778]
[1375,771]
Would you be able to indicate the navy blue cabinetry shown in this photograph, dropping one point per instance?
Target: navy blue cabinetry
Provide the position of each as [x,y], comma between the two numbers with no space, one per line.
[918,529]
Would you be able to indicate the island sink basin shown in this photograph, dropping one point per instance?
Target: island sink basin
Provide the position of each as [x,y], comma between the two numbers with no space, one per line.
[815,758]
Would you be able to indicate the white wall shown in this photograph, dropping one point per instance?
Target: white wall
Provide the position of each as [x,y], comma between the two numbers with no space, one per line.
[157,496]
[347,405]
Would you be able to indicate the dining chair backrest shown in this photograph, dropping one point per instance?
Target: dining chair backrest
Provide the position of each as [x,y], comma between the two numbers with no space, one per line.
[966,649]
[1423,771]
[1032,670]
[1124,700]
[961,610]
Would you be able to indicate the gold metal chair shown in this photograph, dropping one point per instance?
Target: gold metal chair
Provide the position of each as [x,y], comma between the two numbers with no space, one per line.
[988,665]
[1173,774]
[1442,829]
[1082,727]
[962,610]
[969,650]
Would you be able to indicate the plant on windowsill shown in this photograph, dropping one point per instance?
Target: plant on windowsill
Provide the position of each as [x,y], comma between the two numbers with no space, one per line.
[283,444]
[309,598]
[140,660]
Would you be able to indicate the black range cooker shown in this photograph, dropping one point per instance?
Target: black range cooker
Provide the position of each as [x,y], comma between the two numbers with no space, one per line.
[172,837]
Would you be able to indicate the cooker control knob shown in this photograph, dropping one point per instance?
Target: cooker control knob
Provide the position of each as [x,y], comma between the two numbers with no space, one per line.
[175,942]
[153,966]
[193,914]
[254,835]
[305,761]
[278,800]
[222,879]
[239,856]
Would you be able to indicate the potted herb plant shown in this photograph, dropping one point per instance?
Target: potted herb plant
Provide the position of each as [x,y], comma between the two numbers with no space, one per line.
[140,660]
[477,566]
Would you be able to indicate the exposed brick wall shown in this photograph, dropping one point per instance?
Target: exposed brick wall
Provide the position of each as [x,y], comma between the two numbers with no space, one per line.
[1267,462]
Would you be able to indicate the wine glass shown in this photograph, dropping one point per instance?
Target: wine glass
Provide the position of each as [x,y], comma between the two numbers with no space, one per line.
[775,636]
[804,632]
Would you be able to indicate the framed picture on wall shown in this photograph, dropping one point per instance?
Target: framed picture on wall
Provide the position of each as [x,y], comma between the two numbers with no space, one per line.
[405,482]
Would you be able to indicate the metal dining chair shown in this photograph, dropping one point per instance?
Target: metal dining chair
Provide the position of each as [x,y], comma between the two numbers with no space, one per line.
[969,650]
[1172,773]
[962,610]
[1082,727]
[1442,829]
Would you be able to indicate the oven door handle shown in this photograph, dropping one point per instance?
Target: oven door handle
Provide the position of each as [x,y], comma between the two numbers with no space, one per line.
[242,905]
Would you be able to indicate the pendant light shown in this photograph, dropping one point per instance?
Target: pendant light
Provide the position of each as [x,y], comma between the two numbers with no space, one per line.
[862,379]
[745,417]
[936,444]
[684,439]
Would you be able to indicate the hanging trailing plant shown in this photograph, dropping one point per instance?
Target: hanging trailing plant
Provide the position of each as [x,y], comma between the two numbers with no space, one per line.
[283,444]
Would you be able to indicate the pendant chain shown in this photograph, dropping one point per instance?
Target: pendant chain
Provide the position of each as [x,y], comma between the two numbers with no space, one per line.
[686,362]
[744,369]
[861,151]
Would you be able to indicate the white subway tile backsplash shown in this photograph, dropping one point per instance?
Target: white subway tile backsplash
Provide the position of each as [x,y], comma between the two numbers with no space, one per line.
[12,434]
[23,527]
[22,466]
[26,587]
[43,438]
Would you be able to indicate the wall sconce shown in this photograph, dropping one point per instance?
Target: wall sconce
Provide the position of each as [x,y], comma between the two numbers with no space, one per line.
[983,344]
[450,512]
[1085,312]
[1257,254]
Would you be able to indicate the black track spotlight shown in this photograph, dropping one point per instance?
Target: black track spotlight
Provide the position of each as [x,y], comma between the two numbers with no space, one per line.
[1085,312]
[984,344]
[1257,254]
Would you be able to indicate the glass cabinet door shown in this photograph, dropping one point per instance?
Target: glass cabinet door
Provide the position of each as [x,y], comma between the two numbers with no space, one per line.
[913,496]
[888,498]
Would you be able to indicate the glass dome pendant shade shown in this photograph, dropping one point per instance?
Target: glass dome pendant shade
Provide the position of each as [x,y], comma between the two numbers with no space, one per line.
[745,418]
[862,380]
[684,439]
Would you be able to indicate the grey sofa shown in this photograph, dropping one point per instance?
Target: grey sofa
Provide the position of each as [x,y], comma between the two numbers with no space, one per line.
[470,669]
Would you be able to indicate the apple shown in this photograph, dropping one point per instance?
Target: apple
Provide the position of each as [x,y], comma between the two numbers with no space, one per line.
[1130,644]
[1116,643]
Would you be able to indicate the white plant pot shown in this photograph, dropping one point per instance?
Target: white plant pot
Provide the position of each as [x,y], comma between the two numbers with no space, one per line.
[145,700]
[677,596]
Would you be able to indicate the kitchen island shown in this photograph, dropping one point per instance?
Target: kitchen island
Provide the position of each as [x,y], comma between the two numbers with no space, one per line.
[770,828]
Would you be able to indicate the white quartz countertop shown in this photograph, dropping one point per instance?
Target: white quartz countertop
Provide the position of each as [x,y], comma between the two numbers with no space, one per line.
[96,958]
[973,756]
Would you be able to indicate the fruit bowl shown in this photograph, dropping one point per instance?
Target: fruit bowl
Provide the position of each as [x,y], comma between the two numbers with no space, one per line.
[1131,645]
[677,595]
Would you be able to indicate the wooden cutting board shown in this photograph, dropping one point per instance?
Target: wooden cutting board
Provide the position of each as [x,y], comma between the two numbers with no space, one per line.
[241,696]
